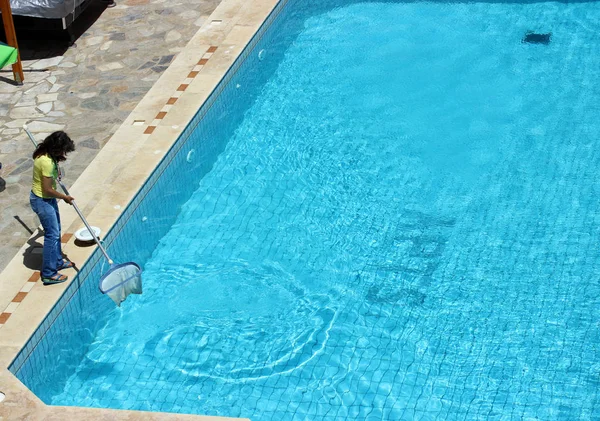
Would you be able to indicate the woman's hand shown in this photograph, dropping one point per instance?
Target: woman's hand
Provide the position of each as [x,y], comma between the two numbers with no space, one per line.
[48,191]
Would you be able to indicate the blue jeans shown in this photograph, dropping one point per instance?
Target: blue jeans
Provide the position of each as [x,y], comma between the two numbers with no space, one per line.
[47,211]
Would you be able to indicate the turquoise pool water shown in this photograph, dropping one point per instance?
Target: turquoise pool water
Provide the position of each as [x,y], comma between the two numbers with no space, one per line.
[404,225]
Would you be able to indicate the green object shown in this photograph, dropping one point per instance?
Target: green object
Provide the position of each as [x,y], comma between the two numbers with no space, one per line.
[8,55]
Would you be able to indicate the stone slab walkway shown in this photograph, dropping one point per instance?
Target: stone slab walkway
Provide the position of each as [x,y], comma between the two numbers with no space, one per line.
[88,91]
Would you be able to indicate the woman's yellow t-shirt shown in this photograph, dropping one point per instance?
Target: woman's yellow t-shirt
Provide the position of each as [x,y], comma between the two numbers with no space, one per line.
[43,166]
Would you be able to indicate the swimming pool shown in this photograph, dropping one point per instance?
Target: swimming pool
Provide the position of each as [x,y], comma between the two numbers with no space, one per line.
[386,211]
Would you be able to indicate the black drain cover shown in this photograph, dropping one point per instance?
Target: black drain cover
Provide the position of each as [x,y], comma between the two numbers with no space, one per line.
[534,38]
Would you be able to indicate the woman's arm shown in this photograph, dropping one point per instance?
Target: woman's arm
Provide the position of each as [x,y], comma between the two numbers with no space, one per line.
[47,190]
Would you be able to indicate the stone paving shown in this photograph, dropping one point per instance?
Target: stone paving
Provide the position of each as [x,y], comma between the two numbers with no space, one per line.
[87,90]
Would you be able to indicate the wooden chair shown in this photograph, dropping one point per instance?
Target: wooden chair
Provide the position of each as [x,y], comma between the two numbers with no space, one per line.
[9,54]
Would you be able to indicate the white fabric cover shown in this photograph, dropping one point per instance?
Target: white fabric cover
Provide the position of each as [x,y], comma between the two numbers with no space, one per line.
[48,9]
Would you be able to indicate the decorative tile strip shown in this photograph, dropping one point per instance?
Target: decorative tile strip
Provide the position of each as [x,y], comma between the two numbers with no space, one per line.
[19,297]
[16,301]
[180,89]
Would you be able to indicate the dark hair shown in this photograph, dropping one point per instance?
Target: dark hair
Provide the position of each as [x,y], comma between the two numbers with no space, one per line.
[56,146]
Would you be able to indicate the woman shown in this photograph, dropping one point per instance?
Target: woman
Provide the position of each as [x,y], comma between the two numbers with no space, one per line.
[43,201]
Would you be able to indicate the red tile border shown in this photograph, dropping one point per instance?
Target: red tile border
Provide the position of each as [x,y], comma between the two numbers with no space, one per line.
[19,297]
[193,74]
[149,130]
[160,115]
[212,49]
[34,278]
[203,61]
[4,317]
[171,101]
[182,87]
[65,238]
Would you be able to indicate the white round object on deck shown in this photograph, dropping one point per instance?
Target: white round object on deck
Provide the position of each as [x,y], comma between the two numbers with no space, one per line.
[84,235]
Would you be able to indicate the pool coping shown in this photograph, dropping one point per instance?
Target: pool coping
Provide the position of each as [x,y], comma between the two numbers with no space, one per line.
[108,185]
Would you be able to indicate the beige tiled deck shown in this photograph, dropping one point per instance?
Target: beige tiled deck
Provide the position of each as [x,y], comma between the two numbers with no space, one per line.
[108,184]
